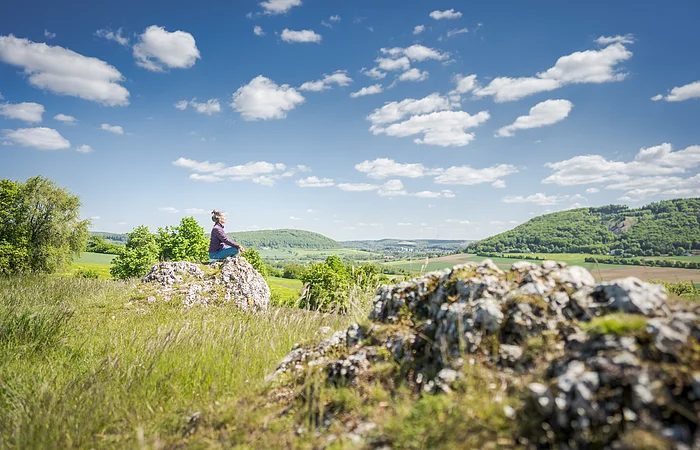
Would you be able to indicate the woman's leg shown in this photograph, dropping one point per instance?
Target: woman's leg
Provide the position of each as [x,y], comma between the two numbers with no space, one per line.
[225,253]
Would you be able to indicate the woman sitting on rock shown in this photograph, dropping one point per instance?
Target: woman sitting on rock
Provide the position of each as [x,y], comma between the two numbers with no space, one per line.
[221,246]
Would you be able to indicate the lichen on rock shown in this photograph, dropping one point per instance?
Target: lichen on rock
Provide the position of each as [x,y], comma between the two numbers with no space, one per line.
[232,281]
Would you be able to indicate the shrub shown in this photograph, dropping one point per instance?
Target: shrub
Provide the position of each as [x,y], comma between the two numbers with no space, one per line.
[293,271]
[140,253]
[253,257]
[186,242]
[84,272]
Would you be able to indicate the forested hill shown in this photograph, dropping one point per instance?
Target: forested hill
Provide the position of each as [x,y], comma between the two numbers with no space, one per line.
[671,226]
[284,239]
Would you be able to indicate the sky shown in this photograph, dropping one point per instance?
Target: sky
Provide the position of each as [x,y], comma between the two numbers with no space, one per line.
[439,119]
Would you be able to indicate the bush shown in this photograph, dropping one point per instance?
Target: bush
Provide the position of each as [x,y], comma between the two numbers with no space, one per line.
[139,255]
[86,273]
[293,271]
[186,242]
[253,257]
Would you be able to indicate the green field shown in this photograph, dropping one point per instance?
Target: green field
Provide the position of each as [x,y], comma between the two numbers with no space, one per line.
[315,255]
[284,291]
[99,262]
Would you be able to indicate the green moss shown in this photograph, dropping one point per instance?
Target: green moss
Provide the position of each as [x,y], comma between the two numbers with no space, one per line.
[644,440]
[618,324]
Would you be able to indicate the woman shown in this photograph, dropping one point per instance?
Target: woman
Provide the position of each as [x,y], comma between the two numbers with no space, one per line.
[221,246]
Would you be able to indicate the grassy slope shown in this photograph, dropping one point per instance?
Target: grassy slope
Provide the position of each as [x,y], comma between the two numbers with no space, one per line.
[80,368]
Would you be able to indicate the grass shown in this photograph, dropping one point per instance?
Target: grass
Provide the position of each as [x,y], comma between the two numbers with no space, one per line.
[618,324]
[284,291]
[81,367]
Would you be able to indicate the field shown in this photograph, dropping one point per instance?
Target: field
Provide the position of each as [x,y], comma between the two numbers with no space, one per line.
[602,272]
[98,262]
[315,255]
[283,290]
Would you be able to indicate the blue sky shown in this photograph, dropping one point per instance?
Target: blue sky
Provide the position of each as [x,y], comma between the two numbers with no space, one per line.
[363,119]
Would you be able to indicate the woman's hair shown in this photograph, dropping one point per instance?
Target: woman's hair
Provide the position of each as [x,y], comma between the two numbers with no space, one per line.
[216,215]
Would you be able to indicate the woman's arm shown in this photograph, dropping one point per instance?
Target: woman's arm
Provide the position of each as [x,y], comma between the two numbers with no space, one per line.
[223,237]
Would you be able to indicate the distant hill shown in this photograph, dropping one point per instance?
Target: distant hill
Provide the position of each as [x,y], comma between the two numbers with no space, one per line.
[671,226]
[112,238]
[284,238]
[397,245]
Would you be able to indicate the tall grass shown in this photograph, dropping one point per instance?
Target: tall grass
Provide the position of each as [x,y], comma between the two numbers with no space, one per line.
[82,366]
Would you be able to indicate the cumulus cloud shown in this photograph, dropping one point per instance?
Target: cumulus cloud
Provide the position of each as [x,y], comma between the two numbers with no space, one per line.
[369,90]
[542,114]
[447,14]
[64,71]
[315,182]
[27,111]
[655,171]
[418,29]
[395,111]
[40,138]
[498,184]
[464,84]
[258,31]
[209,107]
[387,168]
[112,36]
[357,187]
[540,199]
[390,64]
[590,66]
[442,128]
[260,172]
[681,93]
[84,149]
[279,6]
[416,52]
[49,35]
[455,32]
[300,36]
[339,78]
[414,75]
[605,40]
[392,188]
[169,209]
[65,118]
[116,129]
[445,193]
[332,20]
[592,190]
[466,175]
[263,99]
[373,73]
[195,211]
[158,49]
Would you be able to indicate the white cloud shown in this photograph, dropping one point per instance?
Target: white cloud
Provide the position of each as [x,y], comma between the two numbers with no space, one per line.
[447,14]
[49,35]
[395,111]
[260,172]
[159,49]
[392,188]
[414,75]
[416,52]
[590,66]
[294,218]
[300,36]
[95,218]
[404,224]
[592,190]
[357,187]
[457,221]
[464,84]
[373,73]
[626,39]
[116,129]
[466,175]
[84,149]
[258,31]
[194,211]
[386,168]
[538,199]
[445,193]
[169,209]
[442,128]
[498,184]
[389,64]
[339,78]
[332,19]
[681,93]
[456,31]
[210,107]
[542,114]
[418,29]
[40,138]
[112,36]
[369,90]
[27,111]
[279,6]
[315,182]
[64,71]
[263,99]
[335,18]
[65,118]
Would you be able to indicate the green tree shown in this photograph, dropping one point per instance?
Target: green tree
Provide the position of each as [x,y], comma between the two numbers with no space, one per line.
[253,257]
[139,254]
[328,285]
[40,226]
[186,242]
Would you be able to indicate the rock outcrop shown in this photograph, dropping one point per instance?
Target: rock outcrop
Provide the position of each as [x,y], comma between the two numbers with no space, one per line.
[603,359]
[231,281]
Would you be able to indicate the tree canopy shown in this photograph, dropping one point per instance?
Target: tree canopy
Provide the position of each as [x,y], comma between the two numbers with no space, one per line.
[40,226]
[284,239]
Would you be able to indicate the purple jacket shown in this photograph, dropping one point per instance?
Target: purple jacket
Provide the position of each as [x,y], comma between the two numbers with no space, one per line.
[219,240]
